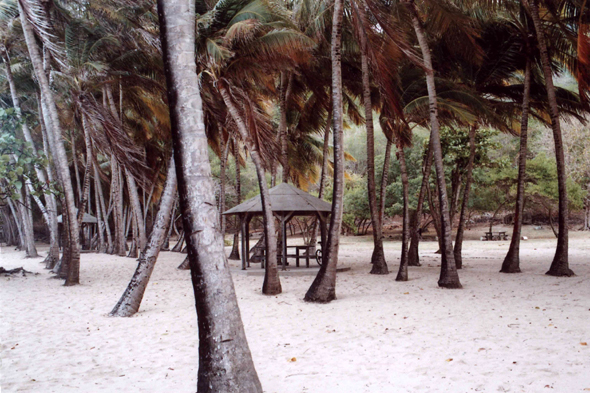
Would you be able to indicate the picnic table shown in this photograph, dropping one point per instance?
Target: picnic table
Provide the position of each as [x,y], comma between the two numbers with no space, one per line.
[308,251]
[495,236]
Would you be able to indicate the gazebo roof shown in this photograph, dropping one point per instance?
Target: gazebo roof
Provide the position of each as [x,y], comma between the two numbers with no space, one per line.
[88,219]
[284,198]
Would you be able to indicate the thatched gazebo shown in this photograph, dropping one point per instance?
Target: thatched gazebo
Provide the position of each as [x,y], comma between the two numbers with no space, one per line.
[90,223]
[286,202]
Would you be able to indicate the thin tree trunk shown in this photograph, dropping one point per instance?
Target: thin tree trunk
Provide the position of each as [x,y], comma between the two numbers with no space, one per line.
[57,149]
[283,142]
[402,274]
[18,223]
[105,216]
[449,278]
[225,361]
[324,174]
[131,299]
[222,181]
[137,213]
[117,199]
[75,162]
[511,263]
[86,187]
[378,256]
[384,180]
[272,283]
[323,288]
[413,254]
[102,245]
[560,263]
[50,210]
[461,228]
[235,251]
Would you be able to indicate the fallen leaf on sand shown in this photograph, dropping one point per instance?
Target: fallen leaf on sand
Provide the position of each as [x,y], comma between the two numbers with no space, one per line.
[406,293]
[449,359]
[584,344]
[293,359]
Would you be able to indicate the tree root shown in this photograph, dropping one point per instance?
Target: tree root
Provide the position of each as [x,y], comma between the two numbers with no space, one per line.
[16,271]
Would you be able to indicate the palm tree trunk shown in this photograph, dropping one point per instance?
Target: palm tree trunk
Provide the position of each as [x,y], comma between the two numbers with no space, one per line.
[117,199]
[378,256]
[461,228]
[75,162]
[272,283]
[511,263]
[384,179]
[18,223]
[283,142]
[222,181]
[323,288]
[86,188]
[402,274]
[57,150]
[560,264]
[137,213]
[324,174]
[49,212]
[413,254]
[449,278]
[235,251]
[131,298]
[225,361]
[102,245]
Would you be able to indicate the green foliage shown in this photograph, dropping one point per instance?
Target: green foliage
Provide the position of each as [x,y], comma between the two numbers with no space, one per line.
[18,160]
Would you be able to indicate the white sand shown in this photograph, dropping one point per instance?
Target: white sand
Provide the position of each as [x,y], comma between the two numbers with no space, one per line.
[518,333]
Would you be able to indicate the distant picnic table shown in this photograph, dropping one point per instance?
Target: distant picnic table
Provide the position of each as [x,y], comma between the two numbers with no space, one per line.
[495,236]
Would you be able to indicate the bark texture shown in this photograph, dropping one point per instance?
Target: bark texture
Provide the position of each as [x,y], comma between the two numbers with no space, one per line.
[131,298]
[560,264]
[402,274]
[413,254]
[58,150]
[511,263]
[272,283]
[449,278]
[323,288]
[225,362]
[463,216]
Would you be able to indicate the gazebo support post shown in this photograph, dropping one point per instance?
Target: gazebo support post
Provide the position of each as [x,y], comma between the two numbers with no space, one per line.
[285,218]
[323,220]
[243,231]
[247,219]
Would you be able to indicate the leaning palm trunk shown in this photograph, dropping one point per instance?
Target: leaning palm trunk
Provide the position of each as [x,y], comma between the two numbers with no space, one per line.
[560,264]
[225,361]
[131,299]
[413,254]
[27,225]
[378,256]
[137,213]
[86,187]
[102,246]
[463,216]
[323,288]
[235,252]
[402,274]
[448,270]
[272,283]
[49,210]
[511,263]
[103,210]
[57,150]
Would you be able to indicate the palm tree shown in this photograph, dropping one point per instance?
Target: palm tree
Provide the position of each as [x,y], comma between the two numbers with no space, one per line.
[323,288]
[57,148]
[224,364]
[560,264]
[448,276]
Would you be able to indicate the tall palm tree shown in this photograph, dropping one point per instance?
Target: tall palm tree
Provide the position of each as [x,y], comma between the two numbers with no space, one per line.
[56,145]
[224,364]
[323,288]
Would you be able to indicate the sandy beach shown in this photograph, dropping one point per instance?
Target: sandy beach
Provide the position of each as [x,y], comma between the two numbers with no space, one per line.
[502,333]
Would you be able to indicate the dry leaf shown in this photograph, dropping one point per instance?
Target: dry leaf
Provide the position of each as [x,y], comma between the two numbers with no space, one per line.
[450,360]
[406,293]
[293,359]
[584,343]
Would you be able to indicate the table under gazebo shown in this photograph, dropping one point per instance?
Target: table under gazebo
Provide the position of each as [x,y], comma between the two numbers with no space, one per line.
[286,202]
